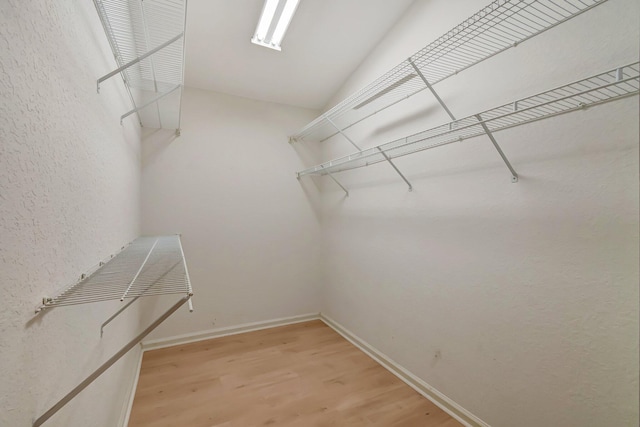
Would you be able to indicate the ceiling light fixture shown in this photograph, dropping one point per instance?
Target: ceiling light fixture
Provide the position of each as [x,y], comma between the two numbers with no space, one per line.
[274,21]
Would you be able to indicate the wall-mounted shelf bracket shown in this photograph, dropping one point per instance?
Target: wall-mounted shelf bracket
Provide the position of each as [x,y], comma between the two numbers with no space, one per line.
[138,59]
[514,174]
[343,134]
[148,266]
[338,182]
[146,104]
[431,89]
[395,168]
[106,365]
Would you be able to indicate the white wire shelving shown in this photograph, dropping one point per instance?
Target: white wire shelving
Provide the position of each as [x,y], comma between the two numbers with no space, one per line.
[147,40]
[497,27]
[148,266]
[618,83]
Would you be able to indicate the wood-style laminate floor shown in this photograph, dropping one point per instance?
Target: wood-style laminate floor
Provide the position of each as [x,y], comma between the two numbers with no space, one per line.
[302,375]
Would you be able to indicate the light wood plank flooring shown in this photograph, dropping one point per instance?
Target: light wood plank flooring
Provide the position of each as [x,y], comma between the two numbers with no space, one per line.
[302,375]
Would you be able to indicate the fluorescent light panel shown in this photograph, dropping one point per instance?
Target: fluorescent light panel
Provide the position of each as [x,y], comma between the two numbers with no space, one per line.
[274,22]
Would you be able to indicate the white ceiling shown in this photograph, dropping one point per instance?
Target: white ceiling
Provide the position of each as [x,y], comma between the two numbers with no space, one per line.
[325,42]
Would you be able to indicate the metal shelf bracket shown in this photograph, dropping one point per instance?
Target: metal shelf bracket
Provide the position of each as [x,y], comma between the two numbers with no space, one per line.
[514,174]
[435,94]
[338,182]
[395,168]
[106,365]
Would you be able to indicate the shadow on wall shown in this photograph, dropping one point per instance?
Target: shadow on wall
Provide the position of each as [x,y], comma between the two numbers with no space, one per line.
[154,142]
[311,189]
[418,116]
[310,154]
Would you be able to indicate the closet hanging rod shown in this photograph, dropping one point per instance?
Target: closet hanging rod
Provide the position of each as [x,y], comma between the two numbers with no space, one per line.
[618,83]
[497,27]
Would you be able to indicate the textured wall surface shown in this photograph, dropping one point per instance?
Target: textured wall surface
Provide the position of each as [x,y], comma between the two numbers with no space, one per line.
[69,196]
[250,232]
[518,301]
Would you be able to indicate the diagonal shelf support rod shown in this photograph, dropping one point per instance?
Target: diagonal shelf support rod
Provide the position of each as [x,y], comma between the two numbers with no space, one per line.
[514,174]
[395,167]
[146,104]
[138,59]
[343,134]
[435,94]
[106,365]
[338,182]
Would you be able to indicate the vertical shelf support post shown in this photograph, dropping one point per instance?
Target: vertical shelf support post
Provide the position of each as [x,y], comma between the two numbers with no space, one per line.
[514,174]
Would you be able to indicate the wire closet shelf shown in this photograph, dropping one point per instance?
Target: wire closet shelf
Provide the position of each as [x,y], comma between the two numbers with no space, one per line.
[609,86]
[148,266]
[147,40]
[497,27]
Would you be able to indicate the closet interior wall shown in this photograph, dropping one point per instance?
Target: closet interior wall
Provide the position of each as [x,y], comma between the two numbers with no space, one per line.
[69,197]
[518,301]
[251,235]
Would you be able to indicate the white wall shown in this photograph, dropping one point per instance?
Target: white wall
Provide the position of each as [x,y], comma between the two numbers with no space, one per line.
[69,196]
[250,232]
[518,301]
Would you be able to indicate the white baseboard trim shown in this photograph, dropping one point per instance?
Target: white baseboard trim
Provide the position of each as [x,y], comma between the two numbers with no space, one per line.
[222,332]
[439,399]
[124,418]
